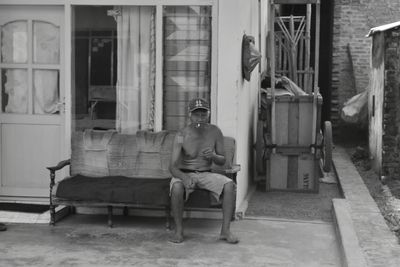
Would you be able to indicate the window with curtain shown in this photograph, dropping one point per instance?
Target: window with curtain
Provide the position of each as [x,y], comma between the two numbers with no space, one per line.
[131,58]
[136,69]
[187,61]
[30,48]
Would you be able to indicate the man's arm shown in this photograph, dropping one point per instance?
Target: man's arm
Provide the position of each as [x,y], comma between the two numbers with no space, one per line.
[216,154]
[219,158]
[175,157]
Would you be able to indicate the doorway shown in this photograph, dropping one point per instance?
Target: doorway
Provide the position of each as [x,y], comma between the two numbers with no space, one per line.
[32,111]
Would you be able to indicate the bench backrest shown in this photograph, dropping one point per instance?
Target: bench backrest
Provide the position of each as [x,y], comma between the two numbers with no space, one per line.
[146,154]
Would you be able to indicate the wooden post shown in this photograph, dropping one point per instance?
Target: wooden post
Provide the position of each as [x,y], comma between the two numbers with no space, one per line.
[280,53]
[293,52]
[272,69]
[316,66]
[300,75]
[317,34]
[52,207]
[285,59]
[307,75]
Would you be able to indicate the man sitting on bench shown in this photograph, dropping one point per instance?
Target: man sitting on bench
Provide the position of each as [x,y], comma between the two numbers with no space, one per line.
[195,148]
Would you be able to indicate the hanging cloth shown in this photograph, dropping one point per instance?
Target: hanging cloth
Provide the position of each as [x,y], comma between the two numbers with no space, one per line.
[136,69]
[250,56]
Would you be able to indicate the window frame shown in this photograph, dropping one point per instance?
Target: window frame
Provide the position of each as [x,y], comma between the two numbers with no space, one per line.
[30,66]
[66,53]
[159,4]
[158,118]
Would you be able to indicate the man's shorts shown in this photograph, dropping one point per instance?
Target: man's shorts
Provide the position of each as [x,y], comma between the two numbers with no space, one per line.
[213,182]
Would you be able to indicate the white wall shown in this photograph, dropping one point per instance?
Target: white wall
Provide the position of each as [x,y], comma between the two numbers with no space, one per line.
[237,99]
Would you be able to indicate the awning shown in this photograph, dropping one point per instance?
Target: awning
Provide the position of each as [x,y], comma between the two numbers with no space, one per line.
[383,28]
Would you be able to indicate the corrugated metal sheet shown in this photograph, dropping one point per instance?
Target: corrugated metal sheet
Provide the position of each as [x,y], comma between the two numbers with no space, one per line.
[383,28]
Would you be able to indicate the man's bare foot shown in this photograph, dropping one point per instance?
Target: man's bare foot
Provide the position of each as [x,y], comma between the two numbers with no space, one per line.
[176,239]
[229,238]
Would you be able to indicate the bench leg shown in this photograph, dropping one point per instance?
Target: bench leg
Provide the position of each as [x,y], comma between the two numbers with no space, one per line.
[126,211]
[168,217]
[72,209]
[52,215]
[110,223]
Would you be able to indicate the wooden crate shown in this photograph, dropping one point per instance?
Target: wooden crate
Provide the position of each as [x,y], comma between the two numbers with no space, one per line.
[291,165]
[292,172]
[293,119]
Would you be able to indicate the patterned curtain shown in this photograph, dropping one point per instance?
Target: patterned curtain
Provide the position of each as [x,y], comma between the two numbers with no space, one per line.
[187,61]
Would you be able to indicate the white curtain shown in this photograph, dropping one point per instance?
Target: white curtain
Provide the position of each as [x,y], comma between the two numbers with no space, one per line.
[45,49]
[136,70]
[45,84]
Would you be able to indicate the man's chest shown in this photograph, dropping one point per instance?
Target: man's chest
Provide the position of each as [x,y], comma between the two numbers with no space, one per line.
[195,143]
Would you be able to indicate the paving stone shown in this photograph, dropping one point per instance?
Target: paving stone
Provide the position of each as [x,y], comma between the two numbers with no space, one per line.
[378,243]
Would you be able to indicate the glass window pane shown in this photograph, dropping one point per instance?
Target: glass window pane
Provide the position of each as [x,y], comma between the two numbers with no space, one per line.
[46,91]
[14,42]
[101,61]
[46,43]
[187,59]
[14,90]
[95,68]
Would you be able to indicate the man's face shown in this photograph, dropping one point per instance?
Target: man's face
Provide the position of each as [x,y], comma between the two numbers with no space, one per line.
[199,116]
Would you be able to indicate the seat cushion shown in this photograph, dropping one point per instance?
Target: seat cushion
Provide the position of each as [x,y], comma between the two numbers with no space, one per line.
[115,189]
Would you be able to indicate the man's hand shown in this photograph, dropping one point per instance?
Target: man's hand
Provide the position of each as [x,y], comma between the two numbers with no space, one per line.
[208,153]
[188,182]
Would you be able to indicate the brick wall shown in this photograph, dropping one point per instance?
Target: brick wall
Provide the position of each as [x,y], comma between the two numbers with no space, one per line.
[391,108]
[351,49]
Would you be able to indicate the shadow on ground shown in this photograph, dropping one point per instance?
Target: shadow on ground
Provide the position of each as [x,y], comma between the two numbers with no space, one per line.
[294,205]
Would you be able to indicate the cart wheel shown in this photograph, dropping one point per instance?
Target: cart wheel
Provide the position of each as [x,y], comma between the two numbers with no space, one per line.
[260,145]
[327,147]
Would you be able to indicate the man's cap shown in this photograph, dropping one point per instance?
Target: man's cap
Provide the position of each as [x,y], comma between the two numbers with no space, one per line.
[198,103]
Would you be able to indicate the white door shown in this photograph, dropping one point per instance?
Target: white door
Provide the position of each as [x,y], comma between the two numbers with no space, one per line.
[32,95]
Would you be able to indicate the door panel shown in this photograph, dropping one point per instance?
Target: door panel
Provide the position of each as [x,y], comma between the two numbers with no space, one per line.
[31,115]
[26,150]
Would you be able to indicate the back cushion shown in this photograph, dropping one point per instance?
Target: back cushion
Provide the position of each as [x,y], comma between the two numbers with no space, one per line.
[154,153]
[89,153]
[122,154]
[146,154]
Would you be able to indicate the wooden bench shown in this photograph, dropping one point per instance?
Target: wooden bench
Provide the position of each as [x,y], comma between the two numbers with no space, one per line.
[108,169]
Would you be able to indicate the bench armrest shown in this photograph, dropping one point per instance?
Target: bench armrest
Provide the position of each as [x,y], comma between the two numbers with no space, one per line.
[234,169]
[59,166]
[229,172]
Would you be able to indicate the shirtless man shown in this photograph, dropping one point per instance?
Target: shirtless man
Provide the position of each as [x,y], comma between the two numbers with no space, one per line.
[195,148]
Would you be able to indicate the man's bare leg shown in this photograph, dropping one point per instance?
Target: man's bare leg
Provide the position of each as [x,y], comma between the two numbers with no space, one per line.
[177,211]
[228,206]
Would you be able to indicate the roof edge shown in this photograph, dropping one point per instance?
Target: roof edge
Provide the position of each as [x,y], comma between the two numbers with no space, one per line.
[383,28]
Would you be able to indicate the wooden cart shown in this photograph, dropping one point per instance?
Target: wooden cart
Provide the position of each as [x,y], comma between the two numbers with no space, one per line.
[290,141]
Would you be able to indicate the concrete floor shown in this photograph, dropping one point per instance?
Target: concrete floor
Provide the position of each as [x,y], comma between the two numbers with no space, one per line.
[294,205]
[85,240]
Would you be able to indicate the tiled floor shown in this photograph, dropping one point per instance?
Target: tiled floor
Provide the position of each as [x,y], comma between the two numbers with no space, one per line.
[24,217]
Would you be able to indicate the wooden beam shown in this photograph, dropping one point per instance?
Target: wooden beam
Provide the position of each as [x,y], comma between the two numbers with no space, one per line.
[272,72]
